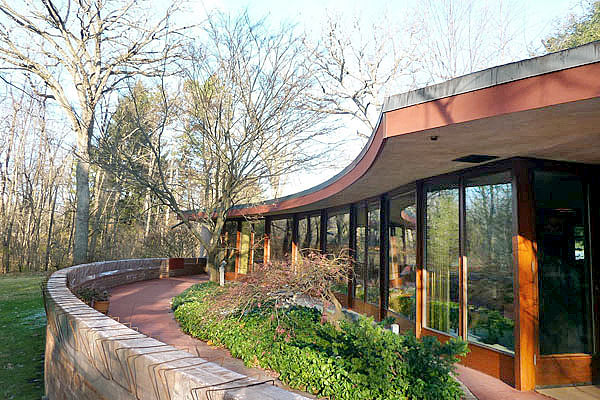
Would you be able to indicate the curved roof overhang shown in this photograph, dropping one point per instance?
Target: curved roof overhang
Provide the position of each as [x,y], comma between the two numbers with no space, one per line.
[546,107]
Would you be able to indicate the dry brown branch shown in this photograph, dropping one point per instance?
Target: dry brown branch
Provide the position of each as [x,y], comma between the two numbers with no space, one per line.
[277,285]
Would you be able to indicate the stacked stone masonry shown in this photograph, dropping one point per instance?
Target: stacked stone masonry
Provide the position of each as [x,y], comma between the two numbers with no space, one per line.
[92,356]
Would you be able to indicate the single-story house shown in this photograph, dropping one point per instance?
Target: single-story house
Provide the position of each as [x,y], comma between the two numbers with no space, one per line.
[473,211]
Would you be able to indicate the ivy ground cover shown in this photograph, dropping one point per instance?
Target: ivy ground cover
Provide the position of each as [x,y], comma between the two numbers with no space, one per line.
[353,360]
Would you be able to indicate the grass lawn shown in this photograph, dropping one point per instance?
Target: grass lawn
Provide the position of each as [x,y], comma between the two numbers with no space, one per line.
[22,336]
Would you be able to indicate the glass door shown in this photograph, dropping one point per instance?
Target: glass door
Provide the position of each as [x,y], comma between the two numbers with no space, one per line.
[564,273]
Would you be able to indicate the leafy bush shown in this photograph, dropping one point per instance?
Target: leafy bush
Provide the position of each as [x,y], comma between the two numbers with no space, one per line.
[405,305]
[351,360]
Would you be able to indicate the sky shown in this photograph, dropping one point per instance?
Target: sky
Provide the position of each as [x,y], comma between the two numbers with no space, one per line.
[535,19]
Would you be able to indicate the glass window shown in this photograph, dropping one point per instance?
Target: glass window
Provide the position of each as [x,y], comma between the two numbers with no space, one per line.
[245,238]
[258,242]
[229,244]
[309,233]
[373,254]
[441,259]
[563,268]
[281,239]
[338,240]
[338,232]
[360,268]
[403,240]
[489,229]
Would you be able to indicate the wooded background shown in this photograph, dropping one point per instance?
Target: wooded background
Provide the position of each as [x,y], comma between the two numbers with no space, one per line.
[116,122]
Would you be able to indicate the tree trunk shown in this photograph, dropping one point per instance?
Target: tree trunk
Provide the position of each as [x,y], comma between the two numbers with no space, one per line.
[50,226]
[82,213]
[211,265]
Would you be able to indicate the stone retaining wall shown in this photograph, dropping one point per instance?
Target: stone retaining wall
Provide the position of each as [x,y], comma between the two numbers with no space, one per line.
[92,356]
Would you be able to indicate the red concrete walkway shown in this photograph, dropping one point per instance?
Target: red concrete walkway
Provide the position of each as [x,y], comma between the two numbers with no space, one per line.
[147,306]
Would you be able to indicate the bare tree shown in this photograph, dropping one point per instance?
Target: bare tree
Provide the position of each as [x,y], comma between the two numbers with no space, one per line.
[358,64]
[242,111]
[82,50]
[459,37]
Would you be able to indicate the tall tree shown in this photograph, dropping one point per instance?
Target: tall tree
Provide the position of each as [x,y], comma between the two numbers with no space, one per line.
[460,37]
[82,50]
[357,64]
[242,111]
[576,30]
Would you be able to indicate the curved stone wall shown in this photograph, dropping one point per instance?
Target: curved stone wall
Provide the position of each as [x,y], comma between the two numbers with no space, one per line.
[92,356]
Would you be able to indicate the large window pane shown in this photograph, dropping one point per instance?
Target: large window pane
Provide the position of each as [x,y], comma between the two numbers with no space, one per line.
[564,268]
[245,237]
[373,255]
[403,235]
[258,244]
[309,232]
[338,236]
[441,260]
[360,268]
[281,239]
[488,207]
[338,232]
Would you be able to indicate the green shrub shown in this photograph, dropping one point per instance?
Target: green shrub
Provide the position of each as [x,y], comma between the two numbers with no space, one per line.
[358,360]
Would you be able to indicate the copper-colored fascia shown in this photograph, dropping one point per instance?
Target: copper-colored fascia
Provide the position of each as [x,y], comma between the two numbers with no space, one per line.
[569,85]
[579,83]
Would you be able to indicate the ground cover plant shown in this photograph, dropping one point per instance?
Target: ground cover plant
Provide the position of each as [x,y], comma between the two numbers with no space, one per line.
[22,327]
[335,359]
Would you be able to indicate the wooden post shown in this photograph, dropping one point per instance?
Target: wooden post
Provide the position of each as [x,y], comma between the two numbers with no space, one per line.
[267,251]
[462,262]
[384,255]
[420,260]
[525,277]
[295,247]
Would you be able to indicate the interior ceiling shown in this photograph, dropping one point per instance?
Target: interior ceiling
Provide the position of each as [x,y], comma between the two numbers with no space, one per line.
[564,132]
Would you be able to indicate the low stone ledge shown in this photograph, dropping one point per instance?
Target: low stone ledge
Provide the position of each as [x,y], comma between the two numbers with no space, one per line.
[92,356]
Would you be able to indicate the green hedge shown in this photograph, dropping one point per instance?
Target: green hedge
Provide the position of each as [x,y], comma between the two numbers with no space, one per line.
[361,360]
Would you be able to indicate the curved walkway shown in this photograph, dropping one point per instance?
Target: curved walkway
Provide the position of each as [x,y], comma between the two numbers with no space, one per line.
[146,305]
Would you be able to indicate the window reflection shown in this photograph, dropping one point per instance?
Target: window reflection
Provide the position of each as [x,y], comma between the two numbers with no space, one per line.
[258,242]
[281,239]
[309,233]
[563,270]
[360,268]
[402,233]
[245,243]
[338,236]
[441,259]
[373,255]
[488,208]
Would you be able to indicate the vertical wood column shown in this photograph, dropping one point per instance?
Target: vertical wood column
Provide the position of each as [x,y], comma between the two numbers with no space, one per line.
[462,262]
[267,249]
[525,277]
[323,232]
[352,246]
[384,255]
[295,225]
[420,259]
